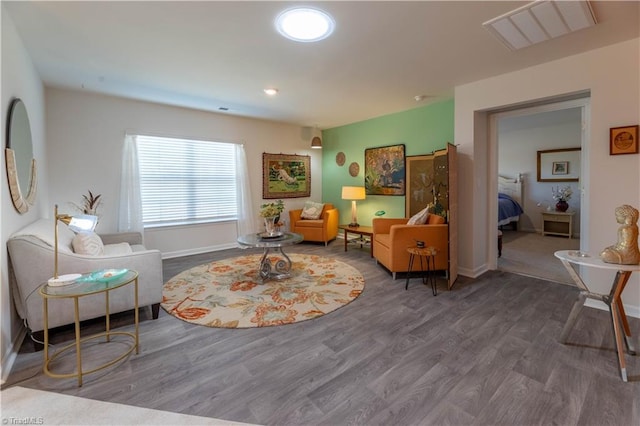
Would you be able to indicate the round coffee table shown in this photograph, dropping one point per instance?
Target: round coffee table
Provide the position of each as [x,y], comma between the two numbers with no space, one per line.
[282,267]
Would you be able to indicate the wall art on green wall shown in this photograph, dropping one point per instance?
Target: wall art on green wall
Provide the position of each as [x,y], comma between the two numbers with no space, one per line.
[384,170]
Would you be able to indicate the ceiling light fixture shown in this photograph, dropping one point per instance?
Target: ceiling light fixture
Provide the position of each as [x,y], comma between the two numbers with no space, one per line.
[539,21]
[271,92]
[305,24]
[316,143]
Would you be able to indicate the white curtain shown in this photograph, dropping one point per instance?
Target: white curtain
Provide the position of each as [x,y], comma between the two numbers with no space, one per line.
[130,212]
[246,223]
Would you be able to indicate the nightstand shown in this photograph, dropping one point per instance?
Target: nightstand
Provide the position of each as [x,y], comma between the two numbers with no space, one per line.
[557,223]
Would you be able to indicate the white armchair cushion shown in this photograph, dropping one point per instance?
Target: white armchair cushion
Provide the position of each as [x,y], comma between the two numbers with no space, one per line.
[88,243]
[117,249]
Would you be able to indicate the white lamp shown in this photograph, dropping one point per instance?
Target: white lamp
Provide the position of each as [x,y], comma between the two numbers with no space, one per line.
[353,193]
[80,223]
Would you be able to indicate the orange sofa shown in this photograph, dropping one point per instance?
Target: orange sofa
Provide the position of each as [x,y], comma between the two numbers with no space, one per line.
[321,230]
[391,237]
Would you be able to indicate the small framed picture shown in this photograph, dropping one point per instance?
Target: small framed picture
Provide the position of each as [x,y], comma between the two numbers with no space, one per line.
[623,140]
[560,168]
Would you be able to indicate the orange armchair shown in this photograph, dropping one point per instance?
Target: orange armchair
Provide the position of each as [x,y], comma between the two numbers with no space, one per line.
[391,237]
[322,230]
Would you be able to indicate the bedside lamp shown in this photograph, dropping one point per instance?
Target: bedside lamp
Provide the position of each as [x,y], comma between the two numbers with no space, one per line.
[79,223]
[353,193]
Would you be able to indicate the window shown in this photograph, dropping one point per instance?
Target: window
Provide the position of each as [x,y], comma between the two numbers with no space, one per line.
[186,181]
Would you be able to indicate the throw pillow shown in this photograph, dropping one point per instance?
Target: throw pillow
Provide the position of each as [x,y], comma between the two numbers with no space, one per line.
[312,210]
[419,218]
[88,243]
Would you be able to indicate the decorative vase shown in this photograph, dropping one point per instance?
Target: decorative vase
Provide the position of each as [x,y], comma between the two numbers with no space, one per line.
[270,225]
[562,206]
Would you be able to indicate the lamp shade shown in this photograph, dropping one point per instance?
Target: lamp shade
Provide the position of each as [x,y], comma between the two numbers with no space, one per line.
[79,223]
[316,143]
[353,193]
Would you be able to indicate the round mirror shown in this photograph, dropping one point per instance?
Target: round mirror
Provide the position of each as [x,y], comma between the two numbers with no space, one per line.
[21,166]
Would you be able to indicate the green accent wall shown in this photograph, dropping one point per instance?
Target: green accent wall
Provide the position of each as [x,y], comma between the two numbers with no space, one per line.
[422,131]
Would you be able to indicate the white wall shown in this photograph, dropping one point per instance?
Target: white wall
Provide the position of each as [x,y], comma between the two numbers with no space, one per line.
[19,80]
[519,140]
[85,134]
[612,180]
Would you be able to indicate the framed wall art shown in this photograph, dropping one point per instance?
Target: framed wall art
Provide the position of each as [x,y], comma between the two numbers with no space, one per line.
[384,170]
[559,165]
[286,176]
[623,140]
[560,168]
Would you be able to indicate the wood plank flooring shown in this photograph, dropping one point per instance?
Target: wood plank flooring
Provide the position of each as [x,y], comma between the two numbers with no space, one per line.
[485,353]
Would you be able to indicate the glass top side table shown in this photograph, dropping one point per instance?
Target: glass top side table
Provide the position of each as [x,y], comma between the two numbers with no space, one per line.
[85,286]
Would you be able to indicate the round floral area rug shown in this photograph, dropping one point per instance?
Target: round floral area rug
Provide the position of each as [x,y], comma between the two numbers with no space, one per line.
[229,293]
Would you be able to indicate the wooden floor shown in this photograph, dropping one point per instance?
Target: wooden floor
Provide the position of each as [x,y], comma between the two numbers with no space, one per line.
[485,353]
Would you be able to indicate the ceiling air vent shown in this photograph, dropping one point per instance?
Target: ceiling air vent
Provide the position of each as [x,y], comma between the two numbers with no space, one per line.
[539,21]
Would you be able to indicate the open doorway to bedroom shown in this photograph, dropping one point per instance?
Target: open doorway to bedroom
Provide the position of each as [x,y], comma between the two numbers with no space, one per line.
[529,237]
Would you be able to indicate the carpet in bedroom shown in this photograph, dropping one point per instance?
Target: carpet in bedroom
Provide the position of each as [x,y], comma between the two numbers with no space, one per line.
[531,254]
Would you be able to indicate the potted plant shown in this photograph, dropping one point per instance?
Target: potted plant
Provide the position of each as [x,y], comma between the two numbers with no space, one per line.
[271,214]
[562,196]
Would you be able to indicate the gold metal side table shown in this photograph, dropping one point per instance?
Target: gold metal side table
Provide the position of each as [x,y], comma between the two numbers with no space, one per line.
[85,286]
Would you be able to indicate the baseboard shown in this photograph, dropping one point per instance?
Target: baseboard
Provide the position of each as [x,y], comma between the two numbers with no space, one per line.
[473,273]
[12,353]
[630,310]
[199,250]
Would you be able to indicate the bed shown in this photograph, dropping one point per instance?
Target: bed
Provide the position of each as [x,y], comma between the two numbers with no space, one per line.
[509,201]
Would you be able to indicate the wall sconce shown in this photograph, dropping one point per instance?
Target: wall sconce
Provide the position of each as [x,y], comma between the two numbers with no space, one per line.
[353,193]
[316,143]
[79,223]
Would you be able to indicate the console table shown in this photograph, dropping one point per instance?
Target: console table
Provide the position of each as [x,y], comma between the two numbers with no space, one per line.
[621,331]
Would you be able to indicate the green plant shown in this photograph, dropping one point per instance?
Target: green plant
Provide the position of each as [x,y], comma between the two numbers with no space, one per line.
[90,203]
[272,209]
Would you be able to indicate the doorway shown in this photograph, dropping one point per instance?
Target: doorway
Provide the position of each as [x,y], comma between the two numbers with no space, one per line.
[542,126]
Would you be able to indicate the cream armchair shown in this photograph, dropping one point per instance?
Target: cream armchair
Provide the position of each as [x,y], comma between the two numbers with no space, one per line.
[31,258]
[322,230]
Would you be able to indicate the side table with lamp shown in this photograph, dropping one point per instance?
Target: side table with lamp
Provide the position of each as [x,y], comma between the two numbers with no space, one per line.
[77,285]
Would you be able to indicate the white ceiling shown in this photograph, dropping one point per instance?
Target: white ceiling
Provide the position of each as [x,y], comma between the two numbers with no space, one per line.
[209,54]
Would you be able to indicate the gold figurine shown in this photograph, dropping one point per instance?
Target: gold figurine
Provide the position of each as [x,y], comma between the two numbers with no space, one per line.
[626,251]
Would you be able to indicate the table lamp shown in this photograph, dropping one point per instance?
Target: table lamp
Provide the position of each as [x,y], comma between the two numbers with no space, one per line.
[79,223]
[353,193]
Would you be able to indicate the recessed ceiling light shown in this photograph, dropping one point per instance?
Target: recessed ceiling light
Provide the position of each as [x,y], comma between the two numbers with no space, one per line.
[305,24]
[271,92]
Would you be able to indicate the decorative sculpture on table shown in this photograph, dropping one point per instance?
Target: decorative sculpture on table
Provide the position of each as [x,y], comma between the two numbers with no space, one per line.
[626,251]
